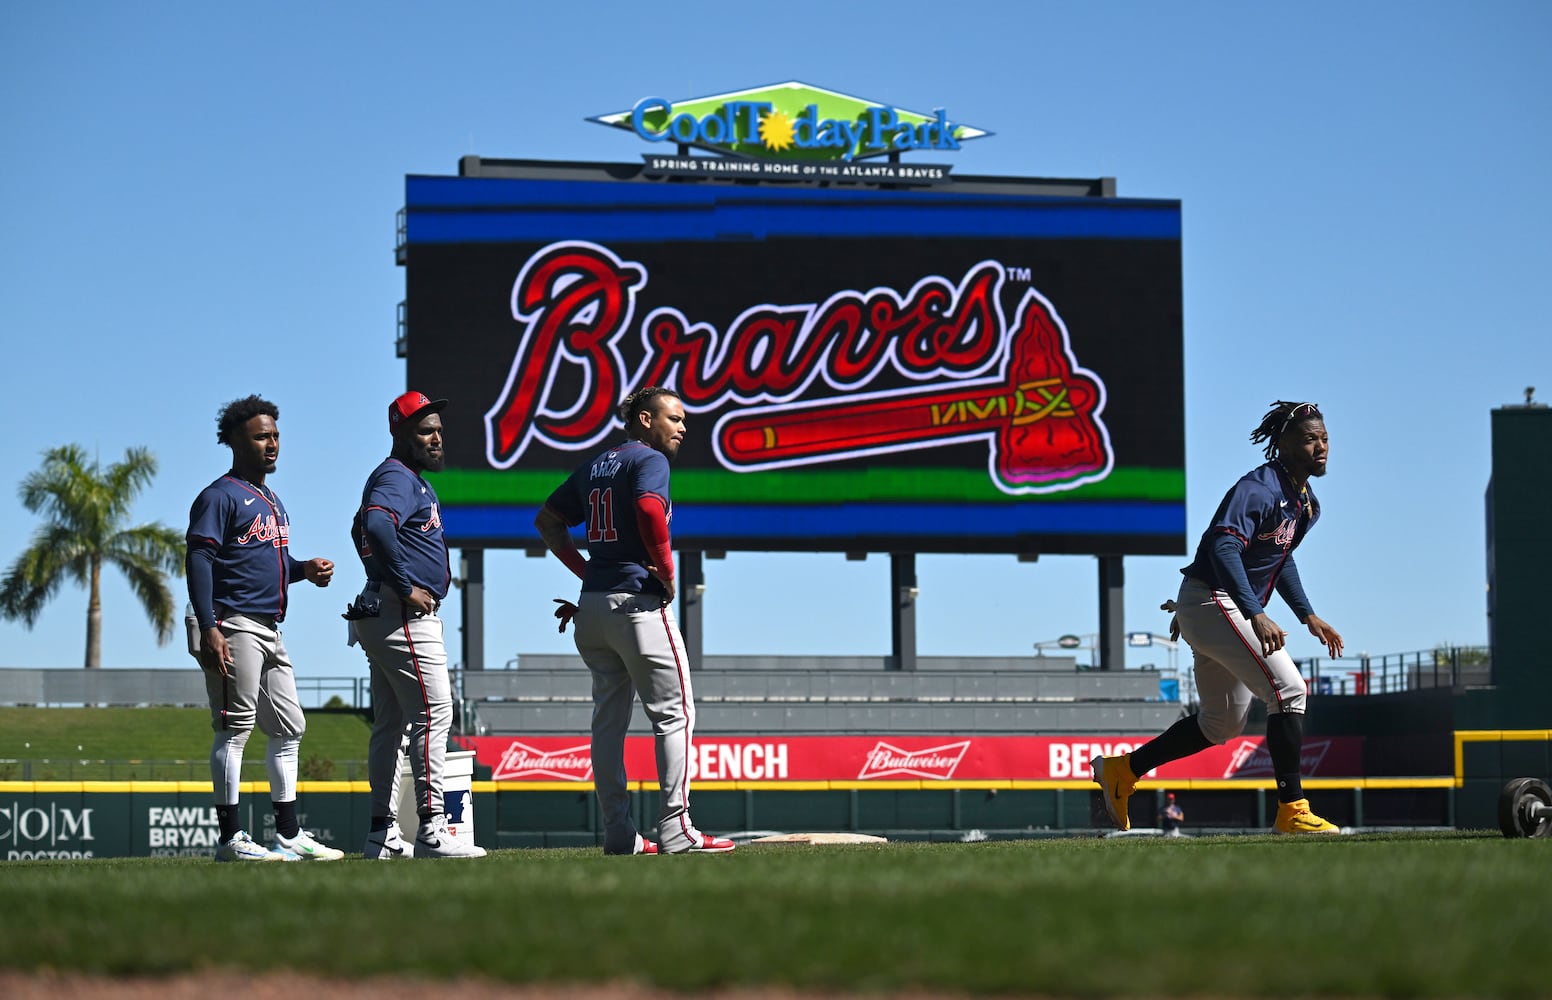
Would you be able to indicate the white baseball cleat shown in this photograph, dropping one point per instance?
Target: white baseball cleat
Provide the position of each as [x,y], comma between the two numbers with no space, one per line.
[434,840]
[387,845]
[244,848]
[712,845]
[305,848]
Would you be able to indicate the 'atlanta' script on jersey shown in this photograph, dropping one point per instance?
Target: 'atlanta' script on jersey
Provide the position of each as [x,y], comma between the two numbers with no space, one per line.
[794,378]
[265,528]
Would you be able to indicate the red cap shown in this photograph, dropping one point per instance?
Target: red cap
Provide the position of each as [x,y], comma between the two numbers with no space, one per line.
[409,406]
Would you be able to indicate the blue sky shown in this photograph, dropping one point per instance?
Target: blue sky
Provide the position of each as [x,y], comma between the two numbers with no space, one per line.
[199,203]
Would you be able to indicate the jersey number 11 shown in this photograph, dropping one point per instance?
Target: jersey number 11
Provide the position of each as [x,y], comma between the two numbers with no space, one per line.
[600,516]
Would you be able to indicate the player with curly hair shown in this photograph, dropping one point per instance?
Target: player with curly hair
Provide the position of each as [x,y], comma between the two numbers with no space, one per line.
[1244,556]
[239,567]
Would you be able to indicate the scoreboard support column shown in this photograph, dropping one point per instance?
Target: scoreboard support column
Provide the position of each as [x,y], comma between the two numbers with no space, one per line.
[1112,613]
[472,580]
[692,590]
[902,610]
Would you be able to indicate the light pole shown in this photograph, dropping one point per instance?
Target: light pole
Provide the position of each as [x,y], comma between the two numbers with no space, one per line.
[1069,641]
[1145,639]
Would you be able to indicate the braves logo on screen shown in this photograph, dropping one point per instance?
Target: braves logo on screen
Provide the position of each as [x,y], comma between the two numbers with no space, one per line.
[1015,386]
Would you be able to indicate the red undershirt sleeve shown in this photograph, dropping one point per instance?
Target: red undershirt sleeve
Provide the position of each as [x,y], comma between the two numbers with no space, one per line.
[652,519]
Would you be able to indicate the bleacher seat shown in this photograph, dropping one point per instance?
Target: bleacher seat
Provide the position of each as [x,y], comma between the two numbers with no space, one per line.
[551,693]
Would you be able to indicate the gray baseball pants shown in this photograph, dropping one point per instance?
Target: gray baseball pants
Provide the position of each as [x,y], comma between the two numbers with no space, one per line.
[259,688]
[411,693]
[632,646]
[1230,667]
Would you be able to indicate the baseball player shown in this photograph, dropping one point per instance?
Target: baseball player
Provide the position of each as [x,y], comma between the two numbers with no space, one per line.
[398,534]
[1171,816]
[625,627]
[1244,556]
[239,567]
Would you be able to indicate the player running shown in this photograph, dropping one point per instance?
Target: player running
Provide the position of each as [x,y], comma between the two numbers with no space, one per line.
[625,627]
[239,566]
[1245,555]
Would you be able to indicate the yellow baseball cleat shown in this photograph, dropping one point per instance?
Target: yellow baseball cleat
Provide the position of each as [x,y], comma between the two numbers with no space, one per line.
[1295,817]
[1116,782]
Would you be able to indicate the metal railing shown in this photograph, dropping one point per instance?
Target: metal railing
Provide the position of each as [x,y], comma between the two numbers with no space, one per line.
[1456,667]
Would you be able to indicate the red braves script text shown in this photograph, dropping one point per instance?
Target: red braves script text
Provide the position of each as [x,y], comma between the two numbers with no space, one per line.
[576,300]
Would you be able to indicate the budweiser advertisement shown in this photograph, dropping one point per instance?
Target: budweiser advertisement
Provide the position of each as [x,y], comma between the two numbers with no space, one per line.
[960,368]
[895,758]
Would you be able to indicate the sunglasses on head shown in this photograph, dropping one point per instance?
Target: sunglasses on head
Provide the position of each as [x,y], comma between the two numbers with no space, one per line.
[1300,412]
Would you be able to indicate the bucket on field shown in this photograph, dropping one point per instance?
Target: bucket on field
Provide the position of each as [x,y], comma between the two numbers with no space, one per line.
[457,798]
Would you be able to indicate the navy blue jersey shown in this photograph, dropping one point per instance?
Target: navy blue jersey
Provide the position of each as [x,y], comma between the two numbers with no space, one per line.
[409,501]
[604,492]
[1270,518]
[246,527]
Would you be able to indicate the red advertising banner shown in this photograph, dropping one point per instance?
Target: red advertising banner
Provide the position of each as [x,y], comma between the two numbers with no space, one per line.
[896,758]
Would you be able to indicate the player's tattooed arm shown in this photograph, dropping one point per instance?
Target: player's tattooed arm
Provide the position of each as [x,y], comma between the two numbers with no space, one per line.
[553,530]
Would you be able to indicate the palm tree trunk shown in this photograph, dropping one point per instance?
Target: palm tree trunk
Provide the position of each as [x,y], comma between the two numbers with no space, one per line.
[94,619]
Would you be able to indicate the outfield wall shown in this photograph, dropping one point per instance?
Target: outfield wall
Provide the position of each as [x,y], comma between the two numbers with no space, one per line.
[102,819]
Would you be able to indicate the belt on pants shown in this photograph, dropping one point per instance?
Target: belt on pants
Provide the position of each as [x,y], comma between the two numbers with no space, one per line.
[223,613]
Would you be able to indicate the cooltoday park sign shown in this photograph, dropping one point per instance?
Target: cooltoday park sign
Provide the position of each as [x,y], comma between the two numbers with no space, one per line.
[792,131]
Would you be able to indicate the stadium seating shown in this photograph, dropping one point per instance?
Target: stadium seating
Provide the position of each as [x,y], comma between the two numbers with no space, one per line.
[770,694]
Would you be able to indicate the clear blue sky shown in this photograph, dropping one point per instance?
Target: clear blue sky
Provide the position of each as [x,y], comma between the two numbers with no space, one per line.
[199,203]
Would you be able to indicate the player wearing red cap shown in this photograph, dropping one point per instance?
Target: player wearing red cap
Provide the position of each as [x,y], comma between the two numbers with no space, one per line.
[398,535]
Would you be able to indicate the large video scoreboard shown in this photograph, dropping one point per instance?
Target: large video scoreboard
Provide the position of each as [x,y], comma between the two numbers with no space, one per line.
[959,368]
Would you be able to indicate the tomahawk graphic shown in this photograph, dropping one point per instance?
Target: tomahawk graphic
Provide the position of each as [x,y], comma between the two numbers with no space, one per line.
[1041,418]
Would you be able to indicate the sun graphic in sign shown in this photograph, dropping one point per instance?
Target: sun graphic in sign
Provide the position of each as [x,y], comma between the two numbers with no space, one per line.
[776,131]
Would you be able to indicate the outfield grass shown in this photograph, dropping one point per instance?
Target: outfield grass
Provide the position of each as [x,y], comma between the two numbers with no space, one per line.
[1424,915]
[67,737]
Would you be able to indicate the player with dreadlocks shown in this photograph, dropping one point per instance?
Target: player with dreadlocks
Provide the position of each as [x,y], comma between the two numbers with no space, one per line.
[1243,556]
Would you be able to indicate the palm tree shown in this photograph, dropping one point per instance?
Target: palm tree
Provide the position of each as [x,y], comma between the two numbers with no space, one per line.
[84,509]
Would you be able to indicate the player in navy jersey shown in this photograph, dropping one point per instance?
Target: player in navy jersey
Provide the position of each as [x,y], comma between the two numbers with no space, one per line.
[625,626]
[397,533]
[1243,557]
[239,567]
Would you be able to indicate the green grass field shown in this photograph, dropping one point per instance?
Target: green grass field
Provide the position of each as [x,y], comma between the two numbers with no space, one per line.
[119,743]
[1396,915]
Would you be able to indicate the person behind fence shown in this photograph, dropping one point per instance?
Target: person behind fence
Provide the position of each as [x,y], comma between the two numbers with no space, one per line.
[626,632]
[397,532]
[1171,816]
[239,567]
[1244,555]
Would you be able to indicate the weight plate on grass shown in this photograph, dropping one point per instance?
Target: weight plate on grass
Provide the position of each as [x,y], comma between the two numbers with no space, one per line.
[1525,808]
